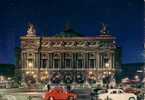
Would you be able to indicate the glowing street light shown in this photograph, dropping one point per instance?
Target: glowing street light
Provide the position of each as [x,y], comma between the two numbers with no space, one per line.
[107,74]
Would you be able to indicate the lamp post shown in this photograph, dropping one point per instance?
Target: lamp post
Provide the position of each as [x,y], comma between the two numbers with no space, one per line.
[107,73]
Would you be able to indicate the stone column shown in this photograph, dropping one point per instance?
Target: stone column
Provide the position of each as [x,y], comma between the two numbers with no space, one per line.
[25,60]
[83,61]
[113,60]
[74,60]
[38,60]
[62,60]
[41,61]
[47,61]
[97,60]
[22,59]
[101,61]
[35,60]
[86,60]
[52,62]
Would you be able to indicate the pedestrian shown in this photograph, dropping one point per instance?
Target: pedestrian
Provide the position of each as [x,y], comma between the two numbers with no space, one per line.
[48,87]
[68,88]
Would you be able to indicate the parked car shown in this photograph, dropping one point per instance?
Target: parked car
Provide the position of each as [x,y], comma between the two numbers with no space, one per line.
[116,94]
[132,90]
[22,96]
[94,93]
[58,93]
[141,96]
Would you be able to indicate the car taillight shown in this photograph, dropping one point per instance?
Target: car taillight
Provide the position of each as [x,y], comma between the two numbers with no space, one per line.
[43,96]
[51,98]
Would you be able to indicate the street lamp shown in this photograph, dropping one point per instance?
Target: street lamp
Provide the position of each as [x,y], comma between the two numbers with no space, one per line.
[107,73]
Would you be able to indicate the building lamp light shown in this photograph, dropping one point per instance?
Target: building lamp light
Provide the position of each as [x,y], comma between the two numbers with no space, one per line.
[46,72]
[27,72]
[109,73]
[1,78]
[90,73]
[30,64]
[107,65]
[34,76]
[32,72]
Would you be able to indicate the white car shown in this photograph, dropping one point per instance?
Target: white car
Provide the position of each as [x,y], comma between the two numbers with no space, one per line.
[116,94]
[23,96]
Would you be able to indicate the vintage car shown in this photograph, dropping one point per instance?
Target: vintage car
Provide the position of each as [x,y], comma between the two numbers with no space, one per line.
[116,94]
[22,96]
[94,93]
[132,90]
[58,93]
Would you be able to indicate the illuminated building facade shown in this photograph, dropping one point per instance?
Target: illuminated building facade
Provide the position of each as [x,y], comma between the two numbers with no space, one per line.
[69,57]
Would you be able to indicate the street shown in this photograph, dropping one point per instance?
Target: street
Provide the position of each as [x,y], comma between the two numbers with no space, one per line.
[83,94]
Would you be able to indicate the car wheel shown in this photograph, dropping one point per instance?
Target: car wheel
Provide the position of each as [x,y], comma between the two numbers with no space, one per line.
[51,98]
[131,98]
[70,98]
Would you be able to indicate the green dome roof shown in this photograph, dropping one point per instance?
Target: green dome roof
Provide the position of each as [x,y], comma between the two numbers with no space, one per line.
[68,33]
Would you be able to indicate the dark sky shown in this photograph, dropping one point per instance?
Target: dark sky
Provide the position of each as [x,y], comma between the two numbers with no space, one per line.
[124,18]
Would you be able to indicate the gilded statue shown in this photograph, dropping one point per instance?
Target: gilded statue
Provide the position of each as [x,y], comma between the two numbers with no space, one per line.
[31,30]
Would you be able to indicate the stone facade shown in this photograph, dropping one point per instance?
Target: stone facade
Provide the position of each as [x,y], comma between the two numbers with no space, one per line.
[68,57]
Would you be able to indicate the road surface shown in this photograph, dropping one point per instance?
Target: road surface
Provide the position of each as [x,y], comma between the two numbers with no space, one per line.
[83,94]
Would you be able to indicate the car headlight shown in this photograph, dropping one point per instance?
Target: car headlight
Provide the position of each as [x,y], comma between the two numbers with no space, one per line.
[71,98]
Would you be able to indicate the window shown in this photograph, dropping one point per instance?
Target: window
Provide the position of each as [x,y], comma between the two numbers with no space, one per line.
[92,60]
[120,92]
[44,63]
[80,60]
[80,63]
[91,63]
[56,63]
[114,92]
[67,63]
[68,60]
[30,63]
[56,60]
[106,58]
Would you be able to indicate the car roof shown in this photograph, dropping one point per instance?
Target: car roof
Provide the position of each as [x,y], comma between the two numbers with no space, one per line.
[114,89]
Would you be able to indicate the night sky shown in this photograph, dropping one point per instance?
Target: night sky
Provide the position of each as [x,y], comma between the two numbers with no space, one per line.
[124,18]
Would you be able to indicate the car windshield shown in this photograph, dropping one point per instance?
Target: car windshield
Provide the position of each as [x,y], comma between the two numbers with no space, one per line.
[102,91]
[58,89]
